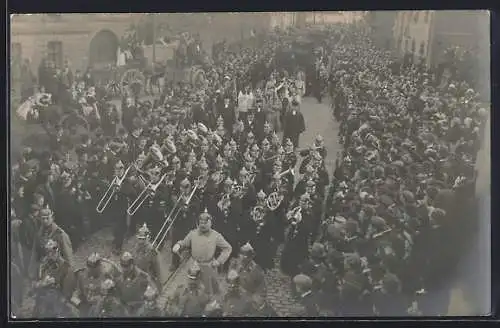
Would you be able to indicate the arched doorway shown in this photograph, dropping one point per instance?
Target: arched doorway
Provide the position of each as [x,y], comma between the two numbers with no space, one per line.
[103,49]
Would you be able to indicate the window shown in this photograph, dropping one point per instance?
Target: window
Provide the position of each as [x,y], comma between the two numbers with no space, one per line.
[55,53]
[416,15]
[406,45]
[413,46]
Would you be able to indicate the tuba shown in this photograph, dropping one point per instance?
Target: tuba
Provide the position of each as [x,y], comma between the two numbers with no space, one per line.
[274,200]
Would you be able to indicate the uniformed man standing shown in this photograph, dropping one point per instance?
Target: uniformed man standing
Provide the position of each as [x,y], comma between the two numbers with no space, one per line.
[236,303]
[203,243]
[251,275]
[50,303]
[150,307]
[89,280]
[191,299]
[54,265]
[50,230]
[132,284]
[146,256]
[109,304]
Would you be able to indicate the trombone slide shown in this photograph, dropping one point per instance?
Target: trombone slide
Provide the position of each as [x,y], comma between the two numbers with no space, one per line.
[115,184]
[145,194]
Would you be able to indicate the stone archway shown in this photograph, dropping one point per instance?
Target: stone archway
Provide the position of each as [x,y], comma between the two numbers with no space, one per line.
[103,49]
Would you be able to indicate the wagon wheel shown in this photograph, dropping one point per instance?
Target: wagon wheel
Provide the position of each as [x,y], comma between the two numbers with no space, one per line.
[133,80]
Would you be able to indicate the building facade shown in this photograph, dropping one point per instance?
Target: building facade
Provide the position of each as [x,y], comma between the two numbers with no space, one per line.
[381,23]
[282,20]
[333,17]
[93,39]
[80,39]
[430,33]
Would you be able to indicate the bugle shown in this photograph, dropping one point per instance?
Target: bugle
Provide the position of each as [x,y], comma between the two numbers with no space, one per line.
[112,189]
[145,194]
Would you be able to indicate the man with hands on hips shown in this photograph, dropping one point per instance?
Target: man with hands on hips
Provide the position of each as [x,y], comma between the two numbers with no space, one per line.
[203,243]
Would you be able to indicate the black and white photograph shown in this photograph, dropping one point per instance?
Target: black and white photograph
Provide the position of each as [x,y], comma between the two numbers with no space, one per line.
[249,164]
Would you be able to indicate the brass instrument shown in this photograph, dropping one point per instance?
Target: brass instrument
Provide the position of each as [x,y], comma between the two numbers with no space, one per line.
[171,218]
[110,192]
[290,170]
[257,213]
[145,194]
[224,202]
[382,233]
[295,214]
[274,200]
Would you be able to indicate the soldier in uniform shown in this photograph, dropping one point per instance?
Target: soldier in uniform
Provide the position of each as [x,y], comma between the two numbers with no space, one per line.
[296,243]
[191,299]
[49,302]
[150,307]
[213,310]
[132,283]
[54,265]
[260,233]
[203,243]
[306,296]
[235,302]
[89,280]
[251,275]
[109,304]
[117,209]
[146,256]
[50,230]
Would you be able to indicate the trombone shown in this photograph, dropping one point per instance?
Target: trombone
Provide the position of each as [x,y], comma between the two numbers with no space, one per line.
[145,194]
[112,189]
[290,170]
[171,217]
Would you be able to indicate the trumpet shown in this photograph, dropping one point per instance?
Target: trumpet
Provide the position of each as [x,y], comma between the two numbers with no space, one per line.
[145,194]
[113,187]
[171,218]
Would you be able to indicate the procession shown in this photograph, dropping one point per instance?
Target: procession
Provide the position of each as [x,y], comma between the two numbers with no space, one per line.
[206,188]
